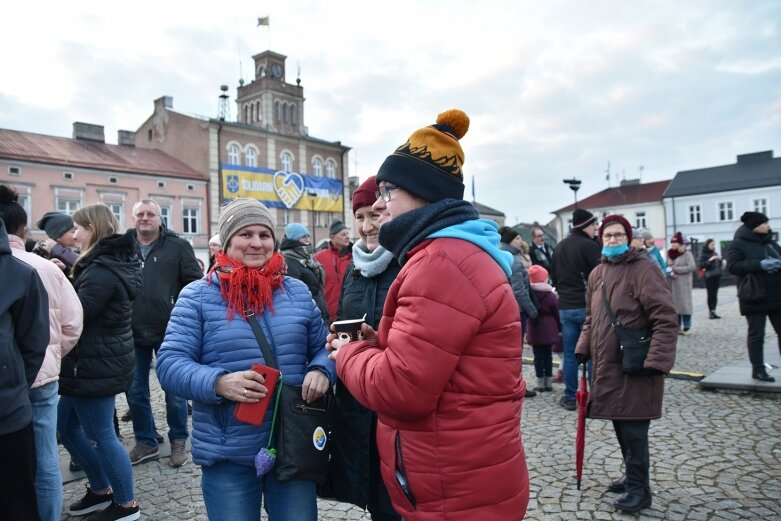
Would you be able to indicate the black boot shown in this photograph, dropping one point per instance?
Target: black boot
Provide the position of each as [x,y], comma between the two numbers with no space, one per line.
[618,486]
[634,502]
[714,315]
[761,375]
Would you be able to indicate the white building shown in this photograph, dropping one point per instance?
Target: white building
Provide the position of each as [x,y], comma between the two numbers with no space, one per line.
[708,202]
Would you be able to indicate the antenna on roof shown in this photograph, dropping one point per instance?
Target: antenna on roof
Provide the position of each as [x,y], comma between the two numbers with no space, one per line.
[607,172]
[641,168]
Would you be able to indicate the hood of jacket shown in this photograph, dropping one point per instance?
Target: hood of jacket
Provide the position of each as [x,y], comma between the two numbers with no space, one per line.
[747,234]
[484,234]
[118,254]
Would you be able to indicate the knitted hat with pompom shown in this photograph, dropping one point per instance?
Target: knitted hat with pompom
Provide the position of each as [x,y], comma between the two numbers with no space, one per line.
[429,164]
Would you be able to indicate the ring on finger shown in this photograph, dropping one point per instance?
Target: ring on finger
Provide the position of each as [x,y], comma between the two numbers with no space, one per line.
[245,392]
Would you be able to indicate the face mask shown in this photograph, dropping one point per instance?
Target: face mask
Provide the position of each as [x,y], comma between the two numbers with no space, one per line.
[614,251]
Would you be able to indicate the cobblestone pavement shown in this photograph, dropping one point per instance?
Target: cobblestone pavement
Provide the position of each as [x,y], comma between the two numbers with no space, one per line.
[714,455]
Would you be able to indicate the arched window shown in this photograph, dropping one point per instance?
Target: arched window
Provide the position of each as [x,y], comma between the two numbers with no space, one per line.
[293,119]
[284,112]
[277,111]
[246,114]
[330,169]
[252,157]
[234,155]
[257,111]
[287,161]
[317,167]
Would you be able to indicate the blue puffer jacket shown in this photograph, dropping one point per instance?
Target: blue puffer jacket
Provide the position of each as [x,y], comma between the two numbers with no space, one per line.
[200,344]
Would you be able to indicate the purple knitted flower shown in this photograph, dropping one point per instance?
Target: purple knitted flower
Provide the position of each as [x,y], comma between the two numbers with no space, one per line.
[264,461]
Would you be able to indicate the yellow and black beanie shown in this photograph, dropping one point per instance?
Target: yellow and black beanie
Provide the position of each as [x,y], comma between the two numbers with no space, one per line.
[429,164]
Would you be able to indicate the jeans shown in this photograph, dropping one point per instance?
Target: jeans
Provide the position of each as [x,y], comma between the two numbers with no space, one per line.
[685,321]
[233,492]
[141,407]
[571,325]
[86,429]
[17,475]
[756,336]
[48,481]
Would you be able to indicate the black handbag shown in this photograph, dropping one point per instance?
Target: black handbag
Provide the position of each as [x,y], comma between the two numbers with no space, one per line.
[751,288]
[303,437]
[634,343]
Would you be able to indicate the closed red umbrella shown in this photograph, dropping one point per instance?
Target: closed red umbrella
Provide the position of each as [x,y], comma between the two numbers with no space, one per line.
[581,396]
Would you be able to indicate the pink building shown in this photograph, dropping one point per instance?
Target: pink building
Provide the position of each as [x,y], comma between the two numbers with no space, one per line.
[63,174]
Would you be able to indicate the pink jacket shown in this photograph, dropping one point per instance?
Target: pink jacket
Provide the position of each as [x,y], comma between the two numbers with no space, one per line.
[65,314]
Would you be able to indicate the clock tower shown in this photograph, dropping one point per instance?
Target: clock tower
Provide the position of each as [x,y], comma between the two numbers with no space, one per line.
[269,102]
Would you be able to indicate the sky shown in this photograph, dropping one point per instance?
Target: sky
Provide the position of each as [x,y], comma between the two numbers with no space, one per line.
[554,89]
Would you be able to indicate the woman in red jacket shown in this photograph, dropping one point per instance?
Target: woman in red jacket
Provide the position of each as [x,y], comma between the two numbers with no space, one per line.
[443,373]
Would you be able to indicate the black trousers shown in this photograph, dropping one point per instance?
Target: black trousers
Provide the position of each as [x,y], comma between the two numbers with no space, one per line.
[17,475]
[712,287]
[756,336]
[633,438]
[543,361]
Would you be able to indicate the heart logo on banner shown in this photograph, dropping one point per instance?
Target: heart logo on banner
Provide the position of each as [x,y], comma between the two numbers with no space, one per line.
[289,187]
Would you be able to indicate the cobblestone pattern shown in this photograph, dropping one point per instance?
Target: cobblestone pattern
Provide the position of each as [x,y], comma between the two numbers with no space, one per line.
[714,455]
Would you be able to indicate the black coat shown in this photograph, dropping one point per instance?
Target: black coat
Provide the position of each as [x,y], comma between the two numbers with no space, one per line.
[169,266]
[106,281]
[24,336]
[743,256]
[573,260]
[304,267]
[354,467]
[542,258]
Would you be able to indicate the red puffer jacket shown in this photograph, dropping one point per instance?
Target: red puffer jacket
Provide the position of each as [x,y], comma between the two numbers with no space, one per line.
[446,384]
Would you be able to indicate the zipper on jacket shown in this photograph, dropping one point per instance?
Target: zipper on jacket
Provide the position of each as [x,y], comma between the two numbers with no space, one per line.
[401,473]
[308,408]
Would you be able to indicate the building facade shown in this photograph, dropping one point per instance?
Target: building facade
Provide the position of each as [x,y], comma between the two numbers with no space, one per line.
[266,154]
[708,202]
[54,173]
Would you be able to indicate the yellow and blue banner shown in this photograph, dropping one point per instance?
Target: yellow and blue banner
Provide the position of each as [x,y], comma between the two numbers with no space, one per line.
[280,189]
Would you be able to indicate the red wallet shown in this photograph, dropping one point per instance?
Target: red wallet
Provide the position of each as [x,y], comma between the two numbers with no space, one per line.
[253,413]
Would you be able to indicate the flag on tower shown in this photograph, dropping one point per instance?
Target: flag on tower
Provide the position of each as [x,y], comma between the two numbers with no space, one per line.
[263,21]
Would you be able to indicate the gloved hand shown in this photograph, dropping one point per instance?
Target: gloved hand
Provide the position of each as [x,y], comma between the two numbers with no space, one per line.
[770,264]
[652,372]
[581,358]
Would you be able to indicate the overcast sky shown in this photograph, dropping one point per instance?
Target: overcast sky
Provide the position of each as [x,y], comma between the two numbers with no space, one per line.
[554,89]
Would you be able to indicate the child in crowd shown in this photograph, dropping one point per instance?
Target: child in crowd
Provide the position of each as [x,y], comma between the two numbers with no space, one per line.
[543,332]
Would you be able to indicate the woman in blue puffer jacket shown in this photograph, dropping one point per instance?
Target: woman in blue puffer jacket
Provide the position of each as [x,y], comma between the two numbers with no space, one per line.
[206,357]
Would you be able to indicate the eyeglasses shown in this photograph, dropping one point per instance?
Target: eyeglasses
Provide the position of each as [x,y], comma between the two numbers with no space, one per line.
[385,192]
[617,236]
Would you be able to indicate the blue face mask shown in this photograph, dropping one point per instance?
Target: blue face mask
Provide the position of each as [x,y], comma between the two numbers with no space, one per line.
[614,251]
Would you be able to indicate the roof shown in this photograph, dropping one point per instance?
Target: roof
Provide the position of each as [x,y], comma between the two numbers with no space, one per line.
[486,210]
[755,170]
[69,152]
[625,195]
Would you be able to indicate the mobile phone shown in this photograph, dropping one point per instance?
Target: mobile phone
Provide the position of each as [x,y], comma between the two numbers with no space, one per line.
[253,413]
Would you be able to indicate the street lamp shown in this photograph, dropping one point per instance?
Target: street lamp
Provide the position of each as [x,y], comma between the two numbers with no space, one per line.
[574,185]
[312,196]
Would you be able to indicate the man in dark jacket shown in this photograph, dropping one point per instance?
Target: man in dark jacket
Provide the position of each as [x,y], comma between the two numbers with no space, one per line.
[301,265]
[571,265]
[540,252]
[24,335]
[168,265]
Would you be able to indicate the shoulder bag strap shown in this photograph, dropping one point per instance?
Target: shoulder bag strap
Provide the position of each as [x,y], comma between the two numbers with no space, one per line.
[268,355]
[613,322]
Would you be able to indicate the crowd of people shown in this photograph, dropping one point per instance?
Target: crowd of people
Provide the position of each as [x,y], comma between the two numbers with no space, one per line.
[445,298]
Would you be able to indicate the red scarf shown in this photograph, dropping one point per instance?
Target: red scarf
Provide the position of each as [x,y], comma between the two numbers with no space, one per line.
[243,287]
[674,253]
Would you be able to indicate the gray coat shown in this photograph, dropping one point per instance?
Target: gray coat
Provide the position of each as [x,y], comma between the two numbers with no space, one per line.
[681,286]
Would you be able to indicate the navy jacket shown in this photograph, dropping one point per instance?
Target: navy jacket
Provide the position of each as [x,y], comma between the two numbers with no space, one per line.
[573,260]
[24,335]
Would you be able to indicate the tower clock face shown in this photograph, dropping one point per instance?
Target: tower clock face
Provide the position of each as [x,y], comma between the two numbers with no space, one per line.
[276,70]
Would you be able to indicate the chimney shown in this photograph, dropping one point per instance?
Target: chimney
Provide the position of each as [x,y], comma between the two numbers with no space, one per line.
[126,138]
[88,132]
[630,182]
[756,157]
[164,102]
